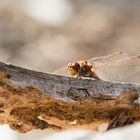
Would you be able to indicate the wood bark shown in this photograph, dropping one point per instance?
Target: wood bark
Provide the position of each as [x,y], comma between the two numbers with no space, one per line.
[31,100]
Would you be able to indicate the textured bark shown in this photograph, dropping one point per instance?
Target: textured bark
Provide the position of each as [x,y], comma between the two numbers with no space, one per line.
[30,99]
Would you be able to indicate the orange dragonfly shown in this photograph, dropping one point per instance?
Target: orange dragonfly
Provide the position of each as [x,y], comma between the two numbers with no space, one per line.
[119,67]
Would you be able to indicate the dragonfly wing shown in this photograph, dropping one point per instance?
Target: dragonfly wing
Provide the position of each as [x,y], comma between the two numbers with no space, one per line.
[125,70]
[95,61]
[108,59]
[62,71]
[119,67]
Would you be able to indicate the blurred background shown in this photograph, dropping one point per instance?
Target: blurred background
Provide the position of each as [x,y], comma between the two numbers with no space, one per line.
[45,35]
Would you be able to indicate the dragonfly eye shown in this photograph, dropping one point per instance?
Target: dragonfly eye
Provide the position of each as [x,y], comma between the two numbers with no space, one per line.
[73,68]
[74,65]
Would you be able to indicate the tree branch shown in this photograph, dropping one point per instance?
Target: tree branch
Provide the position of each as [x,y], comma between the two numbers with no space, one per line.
[30,99]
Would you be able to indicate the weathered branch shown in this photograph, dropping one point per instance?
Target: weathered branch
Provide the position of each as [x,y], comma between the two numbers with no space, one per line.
[58,86]
[30,99]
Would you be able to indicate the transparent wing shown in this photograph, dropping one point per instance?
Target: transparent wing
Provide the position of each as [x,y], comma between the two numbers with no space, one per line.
[117,56]
[126,69]
[97,61]
[119,67]
[61,71]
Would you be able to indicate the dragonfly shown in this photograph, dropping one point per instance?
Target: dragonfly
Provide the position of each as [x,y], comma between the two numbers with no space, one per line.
[117,67]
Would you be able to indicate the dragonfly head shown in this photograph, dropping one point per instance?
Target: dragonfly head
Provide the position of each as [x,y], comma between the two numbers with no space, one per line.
[73,68]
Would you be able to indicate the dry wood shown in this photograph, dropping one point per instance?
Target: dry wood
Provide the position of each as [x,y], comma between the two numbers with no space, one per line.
[123,119]
[30,99]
